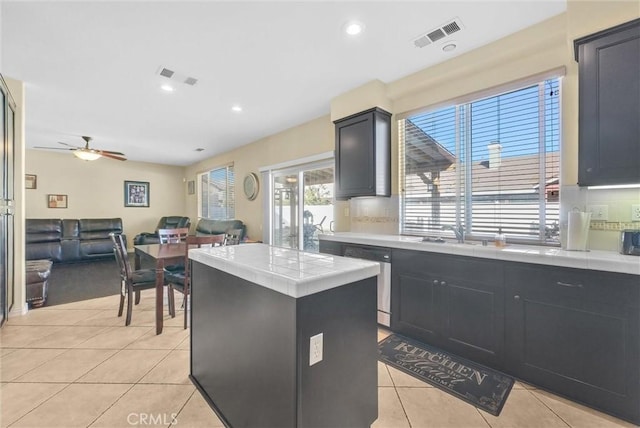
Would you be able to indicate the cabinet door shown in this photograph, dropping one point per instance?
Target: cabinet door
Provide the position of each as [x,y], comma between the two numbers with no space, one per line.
[566,333]
[473,317]
[414,297]
[609,126]
[456,303]
[363,154]
[355,168]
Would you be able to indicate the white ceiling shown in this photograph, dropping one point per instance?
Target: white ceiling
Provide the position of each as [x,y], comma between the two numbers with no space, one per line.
[90,67]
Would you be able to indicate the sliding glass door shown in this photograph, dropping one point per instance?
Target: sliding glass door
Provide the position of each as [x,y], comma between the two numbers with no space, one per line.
[285,210]
[302,205]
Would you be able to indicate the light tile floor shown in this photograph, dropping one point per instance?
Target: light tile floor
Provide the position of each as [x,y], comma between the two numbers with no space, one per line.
[78,365]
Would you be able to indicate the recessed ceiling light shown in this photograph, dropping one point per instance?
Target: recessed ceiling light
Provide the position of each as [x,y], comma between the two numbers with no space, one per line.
[167,88]
[449,47]
[353,28]
[236,108]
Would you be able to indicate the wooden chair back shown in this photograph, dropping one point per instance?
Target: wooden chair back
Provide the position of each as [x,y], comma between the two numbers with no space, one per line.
[120,252]
[232,237]
[199,242]
[173,236]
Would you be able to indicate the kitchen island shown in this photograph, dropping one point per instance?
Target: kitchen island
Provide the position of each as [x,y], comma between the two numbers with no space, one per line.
[284,338]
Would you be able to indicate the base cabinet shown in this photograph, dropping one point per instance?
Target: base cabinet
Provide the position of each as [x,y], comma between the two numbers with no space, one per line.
[455,303]
[575,332]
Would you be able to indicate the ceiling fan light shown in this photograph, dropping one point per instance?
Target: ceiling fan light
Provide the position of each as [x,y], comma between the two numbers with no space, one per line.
[87,155]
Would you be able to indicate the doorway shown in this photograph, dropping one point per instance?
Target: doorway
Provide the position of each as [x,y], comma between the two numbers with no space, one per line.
[301,205]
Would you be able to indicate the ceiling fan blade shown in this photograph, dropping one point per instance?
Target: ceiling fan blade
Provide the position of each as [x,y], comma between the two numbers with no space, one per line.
[65,144]
[110,156]
[51,148]
[111,153]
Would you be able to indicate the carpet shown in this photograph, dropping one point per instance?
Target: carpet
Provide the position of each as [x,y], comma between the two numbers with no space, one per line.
[478,385]
[74,282]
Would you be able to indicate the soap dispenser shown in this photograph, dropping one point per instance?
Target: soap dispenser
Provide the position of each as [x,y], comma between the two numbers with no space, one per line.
[500,239]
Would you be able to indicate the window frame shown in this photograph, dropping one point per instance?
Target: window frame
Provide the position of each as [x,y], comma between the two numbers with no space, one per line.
[463,197]
[229,190]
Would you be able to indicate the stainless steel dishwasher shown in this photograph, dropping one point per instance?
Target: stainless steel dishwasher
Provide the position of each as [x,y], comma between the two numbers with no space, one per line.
[383,256]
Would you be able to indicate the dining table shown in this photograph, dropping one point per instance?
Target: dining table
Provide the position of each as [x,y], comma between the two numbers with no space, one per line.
[162,255]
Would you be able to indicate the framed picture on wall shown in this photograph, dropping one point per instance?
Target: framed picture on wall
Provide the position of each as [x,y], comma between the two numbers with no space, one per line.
[56,201]
[136,194]
[30,181]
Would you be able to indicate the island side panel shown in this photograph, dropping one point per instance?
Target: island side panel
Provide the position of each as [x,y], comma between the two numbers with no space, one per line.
[243,349]
[342,389]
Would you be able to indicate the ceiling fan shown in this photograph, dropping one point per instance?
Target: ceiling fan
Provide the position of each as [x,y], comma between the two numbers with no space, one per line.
[87,153]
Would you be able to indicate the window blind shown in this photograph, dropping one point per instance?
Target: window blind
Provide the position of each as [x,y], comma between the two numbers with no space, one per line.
[217,194]
[489,164]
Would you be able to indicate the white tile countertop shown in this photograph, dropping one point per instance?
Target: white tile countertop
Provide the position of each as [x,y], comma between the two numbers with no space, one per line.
[594,259]
[287,271]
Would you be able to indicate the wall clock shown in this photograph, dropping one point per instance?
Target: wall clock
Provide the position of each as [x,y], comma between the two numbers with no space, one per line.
[251,186]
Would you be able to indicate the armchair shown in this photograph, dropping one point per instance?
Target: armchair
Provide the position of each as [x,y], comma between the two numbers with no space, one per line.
[169,222]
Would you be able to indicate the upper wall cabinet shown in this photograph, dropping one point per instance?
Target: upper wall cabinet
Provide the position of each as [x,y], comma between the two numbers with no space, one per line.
[609,126]
[363,154]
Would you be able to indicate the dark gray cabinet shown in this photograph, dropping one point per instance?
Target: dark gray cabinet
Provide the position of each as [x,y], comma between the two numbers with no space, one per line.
[330,247]
[609,124]
[455,303]
[575,332]
[363,154]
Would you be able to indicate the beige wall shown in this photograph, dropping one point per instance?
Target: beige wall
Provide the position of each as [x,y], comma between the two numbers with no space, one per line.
[542,47]
[96,189]
[311,138]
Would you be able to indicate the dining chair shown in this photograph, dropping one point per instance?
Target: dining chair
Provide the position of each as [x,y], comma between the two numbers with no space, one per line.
[173,236]
[179,280]
[232,237]
[132,281]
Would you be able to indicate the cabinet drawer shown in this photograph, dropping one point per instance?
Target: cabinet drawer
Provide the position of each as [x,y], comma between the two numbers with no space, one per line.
[593,286]
[450,266]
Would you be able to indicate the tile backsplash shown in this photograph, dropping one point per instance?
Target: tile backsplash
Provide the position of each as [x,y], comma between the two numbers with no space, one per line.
[382,215]
[375,215]
[603,234]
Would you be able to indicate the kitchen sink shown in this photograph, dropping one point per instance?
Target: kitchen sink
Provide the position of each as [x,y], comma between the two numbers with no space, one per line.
[439,240]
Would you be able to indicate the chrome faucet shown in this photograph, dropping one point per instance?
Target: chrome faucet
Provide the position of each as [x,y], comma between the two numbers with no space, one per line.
[458,230]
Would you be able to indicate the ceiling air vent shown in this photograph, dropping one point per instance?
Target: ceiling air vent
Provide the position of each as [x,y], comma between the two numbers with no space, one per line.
[166,72]
[190,81]
[422,41]
[451,28]
[438,33]
[176,76]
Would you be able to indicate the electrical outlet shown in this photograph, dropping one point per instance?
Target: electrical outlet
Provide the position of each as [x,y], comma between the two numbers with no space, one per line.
[635,212]
[599,212]
[315,349]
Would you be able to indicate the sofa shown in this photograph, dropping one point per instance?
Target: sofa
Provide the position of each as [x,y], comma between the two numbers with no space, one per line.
[70,240]
[169,222]
[215,227]
[72,256]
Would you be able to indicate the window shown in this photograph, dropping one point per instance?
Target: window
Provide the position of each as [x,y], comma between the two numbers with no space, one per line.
[488,164]
[217,194]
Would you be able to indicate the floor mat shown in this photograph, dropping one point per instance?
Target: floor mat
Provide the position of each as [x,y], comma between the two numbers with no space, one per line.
[478,385]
